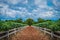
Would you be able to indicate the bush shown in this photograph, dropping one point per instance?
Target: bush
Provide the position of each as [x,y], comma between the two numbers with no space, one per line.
[10,25]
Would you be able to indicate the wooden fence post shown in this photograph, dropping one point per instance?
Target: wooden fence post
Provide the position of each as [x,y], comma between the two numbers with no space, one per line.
[52,36]
[15,31]
[8,35]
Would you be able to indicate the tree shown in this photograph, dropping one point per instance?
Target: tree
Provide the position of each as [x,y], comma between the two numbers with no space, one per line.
[29,21]
[40,20]
[58,22]
[1,22]
[19,20]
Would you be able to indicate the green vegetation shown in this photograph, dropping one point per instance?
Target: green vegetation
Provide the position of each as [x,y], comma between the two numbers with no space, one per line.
[29,21]
[10,24]
[40,20]
[49,24]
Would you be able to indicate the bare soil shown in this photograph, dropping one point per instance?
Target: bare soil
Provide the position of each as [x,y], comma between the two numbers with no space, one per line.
[30,33]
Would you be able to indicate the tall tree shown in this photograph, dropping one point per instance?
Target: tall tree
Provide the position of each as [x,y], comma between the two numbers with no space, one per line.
[29,21]
[19,20]
[40,20]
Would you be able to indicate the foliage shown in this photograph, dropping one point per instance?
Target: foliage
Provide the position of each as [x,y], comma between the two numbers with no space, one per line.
[29,21]
[5,26]
[53,25]
[19,20]
[10,24]
[40,20]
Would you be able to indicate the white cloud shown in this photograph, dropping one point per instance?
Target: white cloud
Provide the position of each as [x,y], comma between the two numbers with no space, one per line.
[41,3]
[17,1]
[13,1]
[47,14]
[11,13]
[25,2]
[43,13]
[56,3]
[3,8]
[6,11]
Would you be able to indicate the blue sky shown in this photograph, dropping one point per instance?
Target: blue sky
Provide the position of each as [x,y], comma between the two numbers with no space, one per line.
[45,9]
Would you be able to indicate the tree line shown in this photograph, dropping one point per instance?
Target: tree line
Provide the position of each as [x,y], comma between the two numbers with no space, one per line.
[7,24]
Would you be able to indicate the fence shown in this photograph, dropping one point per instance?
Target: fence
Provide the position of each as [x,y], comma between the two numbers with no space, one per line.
[48,31]
[15,30]
[8,33]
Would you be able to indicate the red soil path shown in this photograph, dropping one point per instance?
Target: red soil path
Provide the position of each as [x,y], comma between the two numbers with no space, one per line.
[30,33]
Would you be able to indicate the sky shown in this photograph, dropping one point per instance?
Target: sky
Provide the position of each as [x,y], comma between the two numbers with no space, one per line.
[45,9]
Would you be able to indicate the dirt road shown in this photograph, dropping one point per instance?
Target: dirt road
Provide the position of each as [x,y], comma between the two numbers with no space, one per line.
[30,33]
